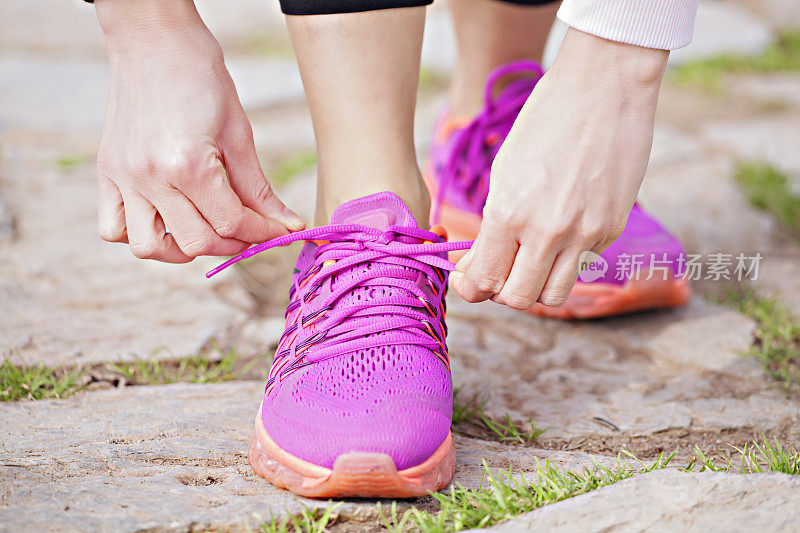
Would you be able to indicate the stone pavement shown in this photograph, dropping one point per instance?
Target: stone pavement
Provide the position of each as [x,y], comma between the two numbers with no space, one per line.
[105,460]
[674,501]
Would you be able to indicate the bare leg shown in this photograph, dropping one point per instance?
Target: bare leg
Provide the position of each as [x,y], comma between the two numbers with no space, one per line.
[491,33]
[360,72]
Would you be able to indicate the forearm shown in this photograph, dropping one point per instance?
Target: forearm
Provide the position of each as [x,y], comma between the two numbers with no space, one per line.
[633,72]
[154,26]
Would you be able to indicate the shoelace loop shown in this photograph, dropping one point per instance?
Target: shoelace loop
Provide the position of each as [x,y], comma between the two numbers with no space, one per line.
[476,145]
[397,255]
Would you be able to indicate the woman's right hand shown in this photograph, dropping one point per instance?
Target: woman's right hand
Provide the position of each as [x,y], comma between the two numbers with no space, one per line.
[177,167]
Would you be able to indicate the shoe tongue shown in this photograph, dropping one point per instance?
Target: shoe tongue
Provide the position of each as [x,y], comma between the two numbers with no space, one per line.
[379,210]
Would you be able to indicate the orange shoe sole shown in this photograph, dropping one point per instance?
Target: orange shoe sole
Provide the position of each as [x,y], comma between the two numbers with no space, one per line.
[356,474]
[597,300]
[587,300]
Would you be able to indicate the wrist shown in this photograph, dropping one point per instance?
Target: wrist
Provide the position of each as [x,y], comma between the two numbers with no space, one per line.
[635,67]
[133,26]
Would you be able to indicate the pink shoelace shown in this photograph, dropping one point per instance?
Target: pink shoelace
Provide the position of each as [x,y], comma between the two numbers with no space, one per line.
[396,256]
[476,145]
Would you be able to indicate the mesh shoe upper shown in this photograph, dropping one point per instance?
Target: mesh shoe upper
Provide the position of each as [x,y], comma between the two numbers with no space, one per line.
[362,365]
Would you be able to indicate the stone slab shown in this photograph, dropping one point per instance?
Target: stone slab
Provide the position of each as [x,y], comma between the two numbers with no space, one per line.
[724,28]
[690,187]
[68,297]
[652,375]
[111,460]
[778,90]
[668,500]
[70,27]
[69,94]
[775,140]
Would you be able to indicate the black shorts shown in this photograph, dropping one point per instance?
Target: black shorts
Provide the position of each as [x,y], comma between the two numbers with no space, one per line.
[328,7]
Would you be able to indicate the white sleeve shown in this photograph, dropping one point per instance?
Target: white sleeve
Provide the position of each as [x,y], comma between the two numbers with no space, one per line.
[662,24]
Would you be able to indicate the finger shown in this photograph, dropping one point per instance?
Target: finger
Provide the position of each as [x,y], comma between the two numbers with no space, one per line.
[192,232]
[463,264]
[216,201]
[561,279]
[527,277]
[487,269]
[250,184]
[147,234]
[110,212]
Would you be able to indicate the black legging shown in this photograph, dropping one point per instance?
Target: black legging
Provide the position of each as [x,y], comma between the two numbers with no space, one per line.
[327,7]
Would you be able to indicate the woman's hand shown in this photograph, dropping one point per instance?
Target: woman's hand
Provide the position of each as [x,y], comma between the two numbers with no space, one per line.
[177,167]
[568,174]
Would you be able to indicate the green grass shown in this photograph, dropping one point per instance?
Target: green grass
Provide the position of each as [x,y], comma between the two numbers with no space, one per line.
[755,458]
[66,163]
[777,336]
[769,189]
[194,369]
[430,79]
[502,496]
[769,456]
[36,382]
[293,165]
[466,409]
[20,381]
[469,410]
[263,44]
[783,55]
[306,521]
[507,431]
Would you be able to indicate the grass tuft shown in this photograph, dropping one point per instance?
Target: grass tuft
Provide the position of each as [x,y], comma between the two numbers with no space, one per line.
[470,411]
[293,165]
[769,189]
[756,458]
[67,163]
[508,431]
[19,381]
[37,382]
[769,456]
[194,369]
[505,495]
[306,521]
[783,55]
[466,409]
[702,463]
[777,336]
[431,79]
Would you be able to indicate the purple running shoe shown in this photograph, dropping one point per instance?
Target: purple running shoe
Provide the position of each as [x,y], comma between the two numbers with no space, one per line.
[641,270]
[359,396]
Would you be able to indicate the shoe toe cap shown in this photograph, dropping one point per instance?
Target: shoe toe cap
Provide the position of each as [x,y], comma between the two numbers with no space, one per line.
[356,403]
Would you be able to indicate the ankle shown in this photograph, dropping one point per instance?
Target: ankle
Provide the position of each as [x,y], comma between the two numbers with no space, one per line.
[466,96]
[411,189]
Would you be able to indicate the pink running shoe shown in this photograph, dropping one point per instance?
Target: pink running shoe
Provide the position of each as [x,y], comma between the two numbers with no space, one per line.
[359,398]
[457,177]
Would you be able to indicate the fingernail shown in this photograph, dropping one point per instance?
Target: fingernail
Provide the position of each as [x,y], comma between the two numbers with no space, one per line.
[293,219]
[462,263]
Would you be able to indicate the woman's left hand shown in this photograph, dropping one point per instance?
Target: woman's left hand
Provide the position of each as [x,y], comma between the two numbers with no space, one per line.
[568,174]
